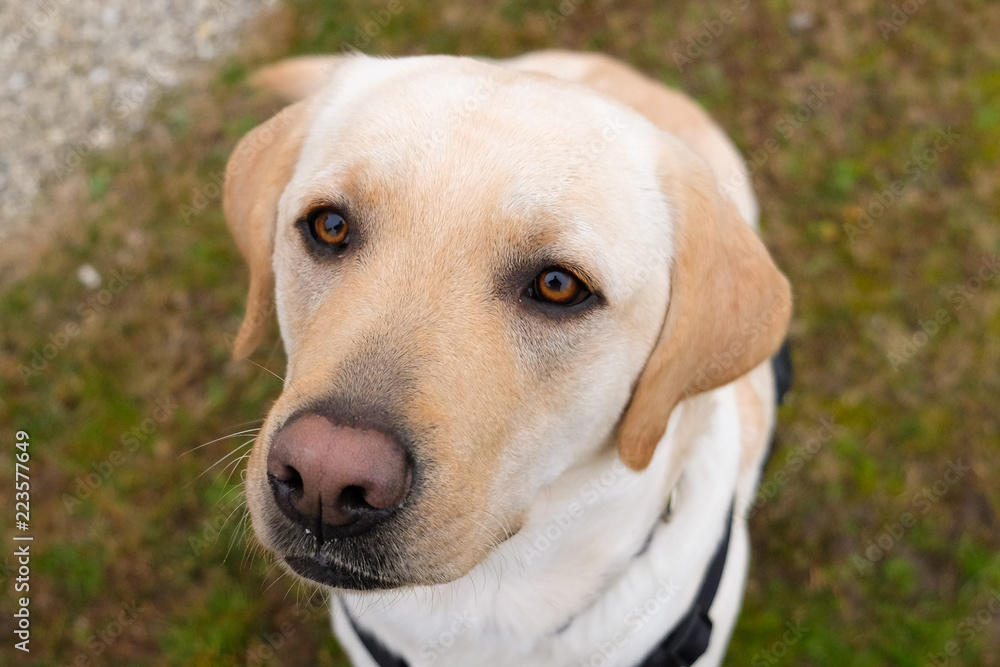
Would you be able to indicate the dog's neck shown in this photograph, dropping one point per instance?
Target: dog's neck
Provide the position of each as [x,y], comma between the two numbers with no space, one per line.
[596,561]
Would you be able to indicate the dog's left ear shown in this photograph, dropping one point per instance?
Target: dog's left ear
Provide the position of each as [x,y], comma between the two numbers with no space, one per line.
[729,304]
[256,175]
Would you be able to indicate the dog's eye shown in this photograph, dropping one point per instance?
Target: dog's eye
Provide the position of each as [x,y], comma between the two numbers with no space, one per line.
[328,227]
[558,286]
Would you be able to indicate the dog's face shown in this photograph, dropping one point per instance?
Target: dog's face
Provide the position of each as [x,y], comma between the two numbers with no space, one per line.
[472,268]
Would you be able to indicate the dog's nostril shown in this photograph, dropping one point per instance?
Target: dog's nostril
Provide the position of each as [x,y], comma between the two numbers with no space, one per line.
[287,489]
[290,477]
[352,498]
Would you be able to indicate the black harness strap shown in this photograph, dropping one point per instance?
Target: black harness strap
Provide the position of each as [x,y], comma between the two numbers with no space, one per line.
[781,364]
[382,656]
[689,639]
[687,642]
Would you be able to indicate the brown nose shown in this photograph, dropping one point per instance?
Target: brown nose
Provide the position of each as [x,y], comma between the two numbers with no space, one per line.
[334,480]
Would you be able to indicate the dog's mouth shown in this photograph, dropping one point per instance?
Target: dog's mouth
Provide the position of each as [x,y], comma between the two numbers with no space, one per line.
[325,571]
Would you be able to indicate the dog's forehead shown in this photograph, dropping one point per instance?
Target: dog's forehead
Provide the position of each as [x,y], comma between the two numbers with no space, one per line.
[518,154]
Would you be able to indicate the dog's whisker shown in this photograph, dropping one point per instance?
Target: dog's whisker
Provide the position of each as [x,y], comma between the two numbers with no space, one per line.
[239,506]
[250,552]
[370,604]
[257,549]
[264,368]
[236,466]
[290,588]
[230,468]
[225,437]
[239,532]
[234,501]
[237,450]
[270,354]
[491,564]
[516,557]
[324,599]
[233,494]
[271,568]
[503,524]
[226,522]
[236,533]
[276,579]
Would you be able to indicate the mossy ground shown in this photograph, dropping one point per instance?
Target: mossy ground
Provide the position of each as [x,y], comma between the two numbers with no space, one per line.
[874,135]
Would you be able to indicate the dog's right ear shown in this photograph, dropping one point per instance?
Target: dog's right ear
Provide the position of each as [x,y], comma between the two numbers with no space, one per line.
[295,79]
[256,175]
[728,310]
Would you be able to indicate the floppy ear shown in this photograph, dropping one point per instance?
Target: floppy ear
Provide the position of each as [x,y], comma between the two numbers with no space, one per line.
[297,78]
[256,175]
[728,311]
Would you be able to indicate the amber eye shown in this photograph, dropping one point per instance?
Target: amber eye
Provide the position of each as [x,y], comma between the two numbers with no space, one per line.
[558,286]
[328,227]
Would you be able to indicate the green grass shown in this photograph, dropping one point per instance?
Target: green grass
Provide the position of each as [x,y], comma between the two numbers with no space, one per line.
[154,534]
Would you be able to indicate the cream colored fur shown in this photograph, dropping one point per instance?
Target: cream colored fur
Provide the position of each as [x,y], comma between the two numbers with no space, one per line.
[557,443]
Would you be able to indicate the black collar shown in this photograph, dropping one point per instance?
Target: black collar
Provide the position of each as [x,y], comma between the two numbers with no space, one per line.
[687,642]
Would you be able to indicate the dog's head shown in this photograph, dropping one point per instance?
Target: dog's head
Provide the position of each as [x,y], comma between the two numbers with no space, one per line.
[482,278]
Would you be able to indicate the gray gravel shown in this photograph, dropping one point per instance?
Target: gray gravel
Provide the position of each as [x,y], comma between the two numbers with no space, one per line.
[79,75]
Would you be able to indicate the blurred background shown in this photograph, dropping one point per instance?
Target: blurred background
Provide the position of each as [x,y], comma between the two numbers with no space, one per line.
[872,130]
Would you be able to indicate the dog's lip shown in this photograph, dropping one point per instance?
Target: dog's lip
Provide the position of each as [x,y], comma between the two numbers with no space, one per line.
[328,573]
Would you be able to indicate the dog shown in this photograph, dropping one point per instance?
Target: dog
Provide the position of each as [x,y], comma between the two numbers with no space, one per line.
[528,323]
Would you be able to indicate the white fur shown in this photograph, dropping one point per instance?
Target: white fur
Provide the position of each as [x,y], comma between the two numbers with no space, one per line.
[509,610]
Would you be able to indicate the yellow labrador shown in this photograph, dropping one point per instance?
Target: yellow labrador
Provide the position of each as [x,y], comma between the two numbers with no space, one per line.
[528,323]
